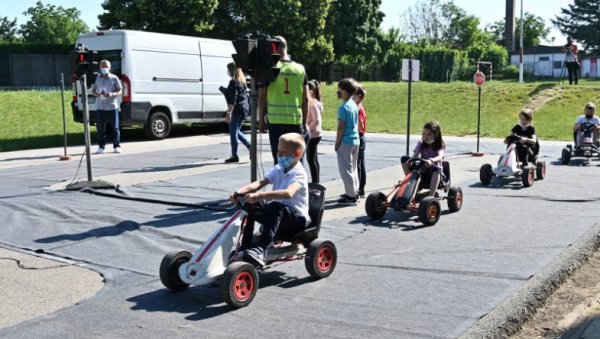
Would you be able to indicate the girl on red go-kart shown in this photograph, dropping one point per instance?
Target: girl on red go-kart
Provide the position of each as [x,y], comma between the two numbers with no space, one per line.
[430,148]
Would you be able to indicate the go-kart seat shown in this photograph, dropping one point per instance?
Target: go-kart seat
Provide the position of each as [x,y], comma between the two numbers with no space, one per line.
[316,203]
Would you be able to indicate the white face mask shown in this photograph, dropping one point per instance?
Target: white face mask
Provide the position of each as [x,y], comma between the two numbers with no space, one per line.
[104,70]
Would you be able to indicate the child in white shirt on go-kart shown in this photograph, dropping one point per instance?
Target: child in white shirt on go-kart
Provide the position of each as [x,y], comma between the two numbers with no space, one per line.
[590,119]
[526,144]
[285,207]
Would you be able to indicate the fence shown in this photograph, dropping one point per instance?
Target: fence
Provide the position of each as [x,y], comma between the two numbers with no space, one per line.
[34,70]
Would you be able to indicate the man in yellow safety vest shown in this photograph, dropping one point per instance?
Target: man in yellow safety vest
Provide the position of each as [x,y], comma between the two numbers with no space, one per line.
[283,105]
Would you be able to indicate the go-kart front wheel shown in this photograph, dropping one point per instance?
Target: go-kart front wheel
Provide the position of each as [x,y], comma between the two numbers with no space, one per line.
[528,176]
[540,170]
[376,205]
[429,211]
[485,174]
[239,284]
[169,269]
[321,258]
[566,156]
[455,198]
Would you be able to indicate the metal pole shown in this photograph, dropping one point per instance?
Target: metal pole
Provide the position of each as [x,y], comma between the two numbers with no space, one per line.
[478,117]
[86,126]
[409,103]
[62,96]
[521,47]
[253,129]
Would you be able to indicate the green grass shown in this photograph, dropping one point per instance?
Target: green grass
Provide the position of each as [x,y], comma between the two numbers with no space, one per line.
[33,119]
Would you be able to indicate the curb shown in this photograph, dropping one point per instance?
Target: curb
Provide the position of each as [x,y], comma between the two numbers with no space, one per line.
[508,317]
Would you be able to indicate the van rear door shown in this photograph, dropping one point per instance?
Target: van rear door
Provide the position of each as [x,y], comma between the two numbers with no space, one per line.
[216,54]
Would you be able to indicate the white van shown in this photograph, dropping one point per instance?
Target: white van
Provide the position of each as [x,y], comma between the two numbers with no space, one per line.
[167,79]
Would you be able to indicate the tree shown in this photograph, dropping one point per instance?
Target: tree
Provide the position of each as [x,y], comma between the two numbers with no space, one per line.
[52,24]
[534,30]
[187,17]
[425,22]
[8,30]
[354,28]
[302,23]
[462,30]
[581,20]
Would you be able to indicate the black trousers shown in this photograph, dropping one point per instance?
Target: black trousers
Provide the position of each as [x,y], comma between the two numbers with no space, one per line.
[313,160]
[524,152]
[362,171]
[573,69]
[272,216]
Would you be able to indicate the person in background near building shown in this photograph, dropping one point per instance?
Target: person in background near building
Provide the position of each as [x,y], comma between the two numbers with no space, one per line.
[346,141]
[362,129]
[571,60]
[238,107]
[314,121]
[107,89]
[283,105]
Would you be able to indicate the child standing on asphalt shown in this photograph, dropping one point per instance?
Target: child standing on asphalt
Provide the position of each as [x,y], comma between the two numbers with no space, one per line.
[314,121]
[362,129]
[346,141]
[430,148]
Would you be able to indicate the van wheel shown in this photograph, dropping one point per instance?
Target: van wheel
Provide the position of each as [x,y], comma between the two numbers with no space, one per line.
[158,126]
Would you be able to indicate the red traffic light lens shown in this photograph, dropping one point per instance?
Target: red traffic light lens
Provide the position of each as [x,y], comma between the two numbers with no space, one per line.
[274,46]
[81,57]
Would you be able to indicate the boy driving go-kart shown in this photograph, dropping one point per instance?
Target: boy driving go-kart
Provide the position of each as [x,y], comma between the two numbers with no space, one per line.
[585,135]
[291,219]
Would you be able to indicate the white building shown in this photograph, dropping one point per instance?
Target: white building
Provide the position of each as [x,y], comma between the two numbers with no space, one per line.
[547,61]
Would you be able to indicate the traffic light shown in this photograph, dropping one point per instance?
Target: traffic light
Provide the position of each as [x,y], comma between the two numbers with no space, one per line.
[85,62]
[257,55]
[267,57]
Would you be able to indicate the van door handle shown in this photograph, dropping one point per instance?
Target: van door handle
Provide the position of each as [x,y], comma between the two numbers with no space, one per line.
[200,80]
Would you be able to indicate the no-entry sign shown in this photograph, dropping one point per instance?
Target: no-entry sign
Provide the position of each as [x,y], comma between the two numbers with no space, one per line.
[479,78]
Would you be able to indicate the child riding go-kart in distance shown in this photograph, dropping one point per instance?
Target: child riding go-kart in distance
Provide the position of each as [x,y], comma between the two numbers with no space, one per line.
[585,135]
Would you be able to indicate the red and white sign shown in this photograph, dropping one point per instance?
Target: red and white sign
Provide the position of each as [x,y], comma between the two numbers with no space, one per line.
[479,78]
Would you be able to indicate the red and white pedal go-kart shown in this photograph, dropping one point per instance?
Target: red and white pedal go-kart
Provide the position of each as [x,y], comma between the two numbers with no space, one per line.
[510,166]
[218,259]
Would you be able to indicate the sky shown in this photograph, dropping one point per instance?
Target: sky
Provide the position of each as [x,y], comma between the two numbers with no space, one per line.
[488,11]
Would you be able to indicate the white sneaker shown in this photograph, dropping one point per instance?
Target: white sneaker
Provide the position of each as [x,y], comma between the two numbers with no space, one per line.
[117,149]
[100,150]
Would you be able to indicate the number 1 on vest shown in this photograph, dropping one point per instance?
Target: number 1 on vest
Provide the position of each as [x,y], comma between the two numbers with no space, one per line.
[287,83]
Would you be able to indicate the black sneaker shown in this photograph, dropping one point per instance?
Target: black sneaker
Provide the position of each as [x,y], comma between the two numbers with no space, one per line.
[361,193]
[344,195]
[232,159]
[351,201]
[255,255]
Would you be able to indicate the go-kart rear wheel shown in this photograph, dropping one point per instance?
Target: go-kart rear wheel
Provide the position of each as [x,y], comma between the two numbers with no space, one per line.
[169,269]
[376,205]
[566,156]
[429,211]
[485,174]
[239,284]
[455,198]
[540,170]
[321,258]
[528,176]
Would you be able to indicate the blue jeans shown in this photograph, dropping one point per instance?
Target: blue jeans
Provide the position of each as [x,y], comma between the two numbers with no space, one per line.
[113,118]
[235,133]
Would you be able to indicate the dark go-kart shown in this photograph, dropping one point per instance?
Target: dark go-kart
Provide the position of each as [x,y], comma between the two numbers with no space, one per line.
[587,149]
[411,194]
[220,259]
[509,166]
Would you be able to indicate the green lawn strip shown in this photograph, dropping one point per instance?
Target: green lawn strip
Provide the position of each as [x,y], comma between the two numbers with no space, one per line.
[33,119]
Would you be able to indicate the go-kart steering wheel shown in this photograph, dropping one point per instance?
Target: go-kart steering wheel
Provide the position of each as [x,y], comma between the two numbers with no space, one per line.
[513,139]
[415,163]
[586,126]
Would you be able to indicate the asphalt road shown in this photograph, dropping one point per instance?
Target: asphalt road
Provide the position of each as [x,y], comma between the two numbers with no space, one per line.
[475,273]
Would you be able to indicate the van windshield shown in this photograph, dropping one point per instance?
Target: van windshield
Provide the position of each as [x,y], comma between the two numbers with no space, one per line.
[114,56]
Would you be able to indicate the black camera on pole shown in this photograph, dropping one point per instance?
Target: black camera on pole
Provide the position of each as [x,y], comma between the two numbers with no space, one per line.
[85,62]
[257,55]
